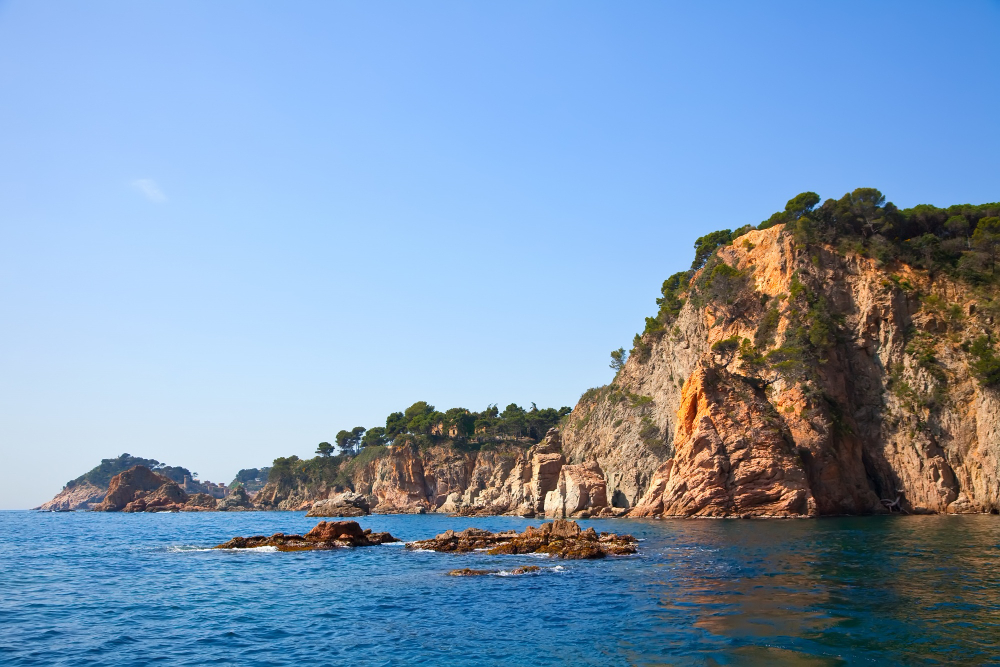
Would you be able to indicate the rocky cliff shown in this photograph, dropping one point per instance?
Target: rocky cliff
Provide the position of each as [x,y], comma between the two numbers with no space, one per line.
[728,413]
[506,478]
[81,496]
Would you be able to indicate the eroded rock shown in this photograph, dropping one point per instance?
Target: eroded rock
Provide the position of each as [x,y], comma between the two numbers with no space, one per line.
[129,486]
[560,538]
[238,500]
[326,535]
[77,497]
[342,504]
[469,572]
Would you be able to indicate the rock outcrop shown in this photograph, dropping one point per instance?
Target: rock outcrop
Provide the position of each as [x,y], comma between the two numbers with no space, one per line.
[730,457]
[82,496]
[165,498]
[325,536]
[139,489]
[506,478]
[887,409]
[237,501]
[517,571]
[580,491]
[343,504]
[130,486]
[560,538]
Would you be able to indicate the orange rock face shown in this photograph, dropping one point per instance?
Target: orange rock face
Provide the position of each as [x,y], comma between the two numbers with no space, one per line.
[130,485]
[731,457]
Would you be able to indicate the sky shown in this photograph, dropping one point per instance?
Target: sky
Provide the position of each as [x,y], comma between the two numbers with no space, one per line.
[230,229]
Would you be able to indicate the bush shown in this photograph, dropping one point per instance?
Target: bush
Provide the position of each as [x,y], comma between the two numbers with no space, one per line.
[985,365]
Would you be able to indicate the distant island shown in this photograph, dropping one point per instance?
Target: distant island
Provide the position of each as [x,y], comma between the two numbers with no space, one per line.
[837,358]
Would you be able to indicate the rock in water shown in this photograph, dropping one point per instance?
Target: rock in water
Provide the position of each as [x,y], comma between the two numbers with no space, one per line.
[326,535]
[236,501]
[342,504]
[560,538]
[469,572]
[129,486]
[77,497]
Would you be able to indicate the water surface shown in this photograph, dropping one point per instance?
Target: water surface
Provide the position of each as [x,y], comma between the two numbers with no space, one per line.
[137,589]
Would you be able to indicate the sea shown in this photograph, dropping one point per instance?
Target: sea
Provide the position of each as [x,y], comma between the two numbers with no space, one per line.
[88,588]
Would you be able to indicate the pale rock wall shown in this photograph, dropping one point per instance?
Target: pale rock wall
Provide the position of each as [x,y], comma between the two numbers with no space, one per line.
[80,497]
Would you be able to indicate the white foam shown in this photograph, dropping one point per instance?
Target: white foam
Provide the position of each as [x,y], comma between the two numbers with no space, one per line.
[189,549]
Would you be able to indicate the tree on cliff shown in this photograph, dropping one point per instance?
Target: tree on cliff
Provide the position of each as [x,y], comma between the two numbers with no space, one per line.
[344,442]
[986,239]
[374,437]
[724,350]
[705,246]
[618,359]
[324,449]
[797,206]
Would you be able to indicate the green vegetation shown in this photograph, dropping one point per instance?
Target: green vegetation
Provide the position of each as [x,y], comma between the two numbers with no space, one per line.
[101,475]
[251,479]
[421,425]
[618,359]
[985,365]
[960,241]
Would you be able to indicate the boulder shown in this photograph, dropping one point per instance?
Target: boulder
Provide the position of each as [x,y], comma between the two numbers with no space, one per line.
[236,501]
[200,502]
[342,504]
[335,530]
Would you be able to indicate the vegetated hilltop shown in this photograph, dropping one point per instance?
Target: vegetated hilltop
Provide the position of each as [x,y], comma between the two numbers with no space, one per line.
[89,489]
[837,359]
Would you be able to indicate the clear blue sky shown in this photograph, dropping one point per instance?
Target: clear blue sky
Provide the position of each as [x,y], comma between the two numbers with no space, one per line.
[230,229]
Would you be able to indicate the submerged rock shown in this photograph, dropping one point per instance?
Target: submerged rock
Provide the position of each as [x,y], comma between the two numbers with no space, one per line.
[560,538]
[326,535]
[469,572]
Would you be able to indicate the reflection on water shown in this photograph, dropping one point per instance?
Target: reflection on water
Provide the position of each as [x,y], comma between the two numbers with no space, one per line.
[93,589]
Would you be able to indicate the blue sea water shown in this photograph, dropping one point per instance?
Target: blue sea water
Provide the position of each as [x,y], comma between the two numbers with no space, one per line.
[141,589]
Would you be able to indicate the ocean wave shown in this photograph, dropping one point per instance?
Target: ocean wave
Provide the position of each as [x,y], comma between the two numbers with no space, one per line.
[184,548]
